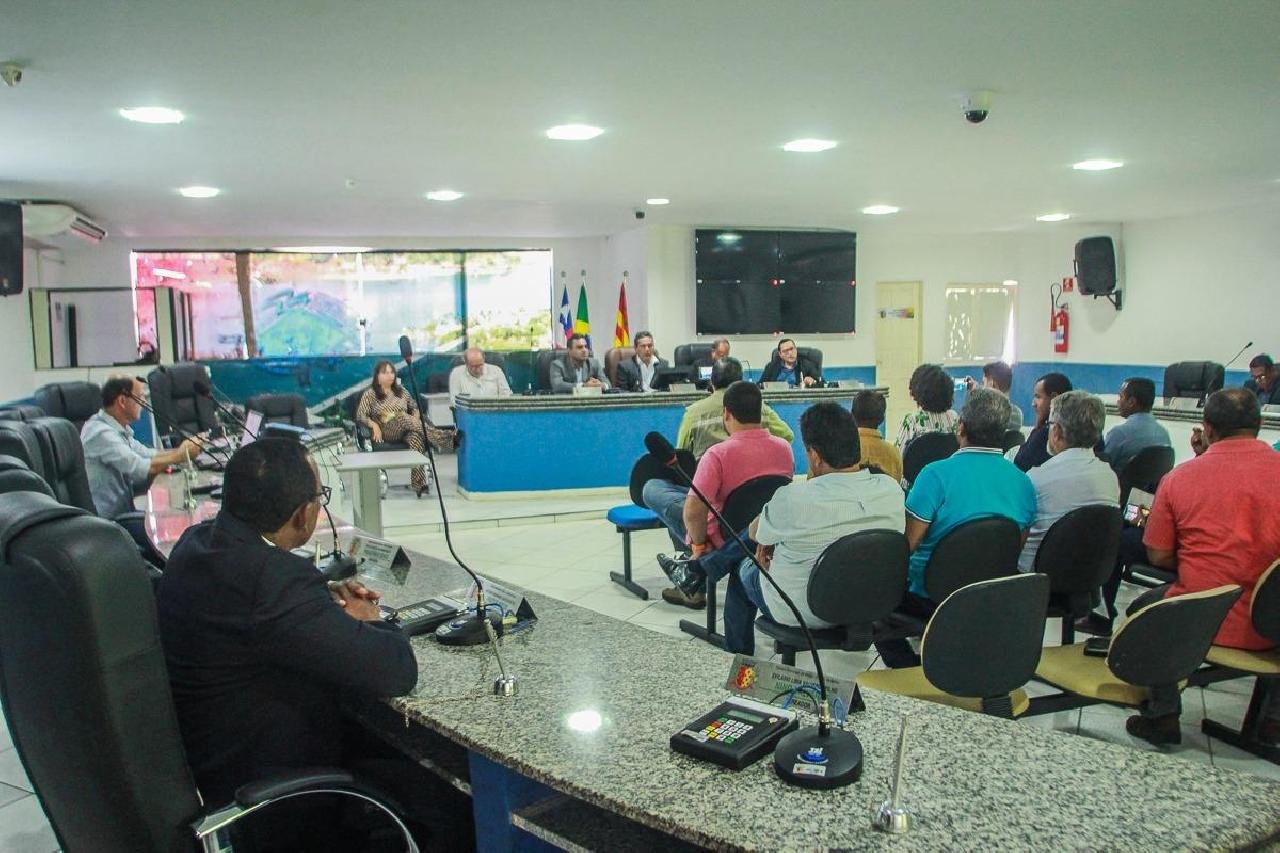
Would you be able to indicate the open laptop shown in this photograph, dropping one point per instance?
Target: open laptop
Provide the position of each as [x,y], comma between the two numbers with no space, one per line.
[252,427]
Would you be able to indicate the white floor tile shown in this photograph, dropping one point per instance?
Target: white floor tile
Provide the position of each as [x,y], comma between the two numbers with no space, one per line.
[25,829]
[12,772]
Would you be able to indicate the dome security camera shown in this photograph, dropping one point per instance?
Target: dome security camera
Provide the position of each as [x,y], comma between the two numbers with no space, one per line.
[977,106]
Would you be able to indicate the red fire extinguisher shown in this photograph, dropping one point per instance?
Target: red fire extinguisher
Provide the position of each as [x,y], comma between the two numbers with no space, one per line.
[1059,321]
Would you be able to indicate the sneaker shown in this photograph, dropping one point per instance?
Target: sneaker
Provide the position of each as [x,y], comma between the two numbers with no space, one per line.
[675,595]
[1157,731]
[686,574]
[1095,624]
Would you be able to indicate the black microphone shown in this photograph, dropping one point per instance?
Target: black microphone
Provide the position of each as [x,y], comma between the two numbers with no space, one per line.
[341,565]
[841,749]
[205,390]
[221,460]
[1237,355]
[469,631]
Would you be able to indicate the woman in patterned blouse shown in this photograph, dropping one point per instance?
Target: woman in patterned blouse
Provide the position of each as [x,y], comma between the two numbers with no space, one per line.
[391,415]
[934,392]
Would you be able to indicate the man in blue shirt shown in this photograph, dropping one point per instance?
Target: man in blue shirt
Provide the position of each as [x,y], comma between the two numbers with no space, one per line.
[788,366]
[1140,428]
[976,482]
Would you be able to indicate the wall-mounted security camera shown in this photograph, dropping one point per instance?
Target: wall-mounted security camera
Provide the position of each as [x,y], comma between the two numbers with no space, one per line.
[977,106]
[11,73]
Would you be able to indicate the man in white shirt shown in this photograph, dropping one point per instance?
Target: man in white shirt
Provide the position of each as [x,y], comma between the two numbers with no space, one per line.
[1073,476]
[636,373]
[476,378]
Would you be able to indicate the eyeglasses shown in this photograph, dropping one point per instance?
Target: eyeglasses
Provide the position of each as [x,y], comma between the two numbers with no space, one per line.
[323,496]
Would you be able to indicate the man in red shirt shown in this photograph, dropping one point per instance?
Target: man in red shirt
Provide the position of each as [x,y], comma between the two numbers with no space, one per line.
[750,451]
[1214,522]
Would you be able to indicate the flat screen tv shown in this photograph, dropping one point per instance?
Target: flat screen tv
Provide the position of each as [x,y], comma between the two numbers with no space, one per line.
[765,282]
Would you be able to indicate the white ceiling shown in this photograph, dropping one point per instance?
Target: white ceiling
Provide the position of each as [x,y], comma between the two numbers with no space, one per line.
[286,99]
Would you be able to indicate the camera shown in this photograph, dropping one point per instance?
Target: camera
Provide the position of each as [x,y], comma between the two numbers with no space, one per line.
[639,214]
[977,106]
[11,73]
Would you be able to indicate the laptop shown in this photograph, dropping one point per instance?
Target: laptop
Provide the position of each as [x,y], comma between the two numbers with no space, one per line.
[252,427]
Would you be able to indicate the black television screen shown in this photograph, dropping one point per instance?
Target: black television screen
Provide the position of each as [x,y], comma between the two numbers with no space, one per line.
[765,282]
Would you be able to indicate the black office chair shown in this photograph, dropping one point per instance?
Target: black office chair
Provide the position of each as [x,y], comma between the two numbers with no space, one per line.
[687,354]
[1145,471]
[176,403]
[280,408]
[86,693]
[925,448]
[542,368]
[1012,438]
[437,383]
[15,476]
[62,460]
[497,359]
[21,412]
[18,439]
[740,508]
[857,581]
[75,401]
[1196,379]
[1078,554]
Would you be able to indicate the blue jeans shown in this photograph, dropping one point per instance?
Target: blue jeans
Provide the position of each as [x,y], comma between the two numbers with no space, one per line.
[667,501]
[741,601]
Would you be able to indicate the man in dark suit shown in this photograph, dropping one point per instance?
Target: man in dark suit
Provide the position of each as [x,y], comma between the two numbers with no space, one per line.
[788,365]
[259,648]
[636,373]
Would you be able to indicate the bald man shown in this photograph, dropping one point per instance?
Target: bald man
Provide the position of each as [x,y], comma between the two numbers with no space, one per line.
[476,378]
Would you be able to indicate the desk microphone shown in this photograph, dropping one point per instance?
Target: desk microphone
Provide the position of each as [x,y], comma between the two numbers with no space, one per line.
[221,460]
[836,752]
[341,565]
[1237,355]
[469,631]
[204,389]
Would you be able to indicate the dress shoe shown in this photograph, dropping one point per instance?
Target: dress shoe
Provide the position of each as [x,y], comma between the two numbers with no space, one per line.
[1094,624]
[675,595]
[685,573]
[1157,731]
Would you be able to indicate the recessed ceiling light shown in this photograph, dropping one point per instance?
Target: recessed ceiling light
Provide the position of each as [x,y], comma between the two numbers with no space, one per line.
[1053,217]
[1097,165]
[657,201]
[574,132]
[322,250]
[444,195]
[880,209]
[809,146]
[152,115]
[729,237]
[199,192]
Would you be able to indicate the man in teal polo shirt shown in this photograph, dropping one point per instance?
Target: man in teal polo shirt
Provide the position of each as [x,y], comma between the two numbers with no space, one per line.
[976,482]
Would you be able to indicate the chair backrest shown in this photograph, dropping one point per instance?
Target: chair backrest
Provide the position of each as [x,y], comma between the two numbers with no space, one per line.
[18,439]
[925,448]
[1078,552]
[859,578]
[75,401]
[1145,470]
[542,368]
[1264,609]
[687,354]
[1165,642]
[84,683]
[1012,438]
[984,640]
[437,383]
[15,476]
[744,503]
[611,359]
[649,468]
[1193,378]
[175,401]
[21,412]
[280,408]
[977,550]
[493,357]
[62,457]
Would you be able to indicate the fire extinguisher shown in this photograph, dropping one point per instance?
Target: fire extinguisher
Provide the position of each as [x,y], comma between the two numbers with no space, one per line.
[1059,321]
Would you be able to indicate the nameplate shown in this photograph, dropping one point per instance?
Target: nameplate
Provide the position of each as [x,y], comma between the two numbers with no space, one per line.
[511,601]
[775,386]
[379,560]
[1183,404]
[682,387]
[587,390]
[768,681]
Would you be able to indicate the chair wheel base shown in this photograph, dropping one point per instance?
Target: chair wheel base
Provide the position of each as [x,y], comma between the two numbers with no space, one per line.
[629,585]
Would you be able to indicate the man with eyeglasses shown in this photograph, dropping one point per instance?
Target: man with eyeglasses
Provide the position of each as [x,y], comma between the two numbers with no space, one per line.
[1264,380]
[790,367]
[259,649]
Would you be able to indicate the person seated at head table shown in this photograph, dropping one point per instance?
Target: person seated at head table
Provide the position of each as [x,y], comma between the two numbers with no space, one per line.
[702,424]
[1035,450]
[998,375]
[838,498]
[1073,476]
[391,415]
[933,392]
[868,413]
[576,368]
[477,378]
[787,365]
[974,482]
[750,451]
[636,373]
[1140,429]
[1264,380]
[719,350]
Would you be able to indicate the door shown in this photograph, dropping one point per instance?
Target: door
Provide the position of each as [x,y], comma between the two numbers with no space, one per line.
[897,345]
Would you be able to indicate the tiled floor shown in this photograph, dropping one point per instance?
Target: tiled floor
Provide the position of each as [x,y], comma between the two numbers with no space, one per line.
[538,545]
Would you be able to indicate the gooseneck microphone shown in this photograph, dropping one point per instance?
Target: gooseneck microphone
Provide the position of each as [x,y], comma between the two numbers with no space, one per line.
[220,456]
[204,389]
[1237,355]
[462,632]
[837,751]
[341,565]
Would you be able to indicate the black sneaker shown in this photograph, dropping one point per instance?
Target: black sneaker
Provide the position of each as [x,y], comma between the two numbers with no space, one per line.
[1157,731]
[686,574]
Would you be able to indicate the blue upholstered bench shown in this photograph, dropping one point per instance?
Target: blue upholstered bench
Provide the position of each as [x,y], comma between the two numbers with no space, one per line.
[628,518]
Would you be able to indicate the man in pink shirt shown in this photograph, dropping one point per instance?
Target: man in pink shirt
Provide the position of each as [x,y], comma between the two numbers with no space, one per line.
[1214,522]
[750,451]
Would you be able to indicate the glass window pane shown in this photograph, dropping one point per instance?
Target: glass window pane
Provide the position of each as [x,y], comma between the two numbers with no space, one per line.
[509,300]
[418,294]
[979,322]
[208,279]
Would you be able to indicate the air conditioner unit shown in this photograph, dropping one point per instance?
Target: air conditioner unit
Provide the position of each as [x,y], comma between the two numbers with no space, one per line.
[48,219]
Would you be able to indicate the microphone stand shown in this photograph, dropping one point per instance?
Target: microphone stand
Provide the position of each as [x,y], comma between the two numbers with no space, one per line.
[467,631]
[206,391]
[341,565]
[1237,355]
[221,460]
[811,757]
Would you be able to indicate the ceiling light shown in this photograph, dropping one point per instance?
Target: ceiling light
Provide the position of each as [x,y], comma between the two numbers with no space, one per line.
[657,201]
[880,209]
[444,195]
[152,115]
[199,192]
[574,132]
[809,146]
[1097,165]
[322,250]
[1053,217]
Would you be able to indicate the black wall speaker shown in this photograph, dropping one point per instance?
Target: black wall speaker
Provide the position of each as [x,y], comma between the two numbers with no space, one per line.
[10,248]
[1096,266]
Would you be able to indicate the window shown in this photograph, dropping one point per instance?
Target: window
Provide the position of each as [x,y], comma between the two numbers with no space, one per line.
[508,294]
[980,322]
[214,322]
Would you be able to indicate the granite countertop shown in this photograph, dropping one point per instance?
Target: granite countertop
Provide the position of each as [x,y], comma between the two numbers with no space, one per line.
[544,402]
[972,781]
